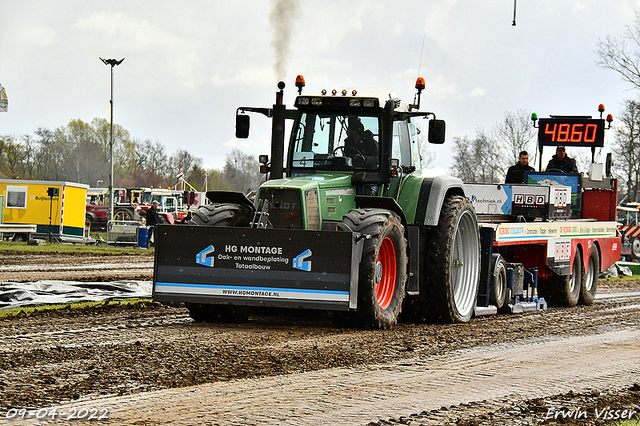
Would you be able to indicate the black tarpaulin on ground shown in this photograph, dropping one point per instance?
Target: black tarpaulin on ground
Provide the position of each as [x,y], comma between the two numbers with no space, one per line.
[16,295]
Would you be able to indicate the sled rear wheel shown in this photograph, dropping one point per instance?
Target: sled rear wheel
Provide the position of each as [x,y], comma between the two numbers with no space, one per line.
[590,283]
[564,290]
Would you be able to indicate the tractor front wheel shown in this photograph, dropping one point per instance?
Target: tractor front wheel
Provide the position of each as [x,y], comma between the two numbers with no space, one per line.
[230,214]
[383,266]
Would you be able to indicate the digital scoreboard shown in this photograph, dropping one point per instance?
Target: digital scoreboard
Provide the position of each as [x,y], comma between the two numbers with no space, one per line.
[570,131]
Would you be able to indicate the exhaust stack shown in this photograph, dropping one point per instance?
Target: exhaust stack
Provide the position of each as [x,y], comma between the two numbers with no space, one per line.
[277,135]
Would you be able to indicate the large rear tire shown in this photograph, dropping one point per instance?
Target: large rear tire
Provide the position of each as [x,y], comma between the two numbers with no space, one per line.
[564,290]
[123,214]
[453,262]
[230,214]
[383,266]
[590,282]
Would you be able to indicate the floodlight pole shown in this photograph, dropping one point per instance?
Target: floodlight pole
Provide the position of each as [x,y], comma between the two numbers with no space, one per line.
[112,63]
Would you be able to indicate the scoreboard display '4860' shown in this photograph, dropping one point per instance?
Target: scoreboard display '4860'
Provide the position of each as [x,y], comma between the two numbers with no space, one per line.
[571,131]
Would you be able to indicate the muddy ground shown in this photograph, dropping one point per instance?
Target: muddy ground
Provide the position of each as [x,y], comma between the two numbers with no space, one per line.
[28,267]
[61,356]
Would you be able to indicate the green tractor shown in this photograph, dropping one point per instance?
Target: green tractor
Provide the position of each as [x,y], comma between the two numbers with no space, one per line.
[351,223]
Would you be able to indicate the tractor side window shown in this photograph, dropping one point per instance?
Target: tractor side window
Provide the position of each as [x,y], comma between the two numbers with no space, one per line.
[169,203]
[415,146]
[400,148]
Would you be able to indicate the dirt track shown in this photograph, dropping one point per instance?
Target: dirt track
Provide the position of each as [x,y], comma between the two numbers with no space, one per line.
[25,267]
[116,352]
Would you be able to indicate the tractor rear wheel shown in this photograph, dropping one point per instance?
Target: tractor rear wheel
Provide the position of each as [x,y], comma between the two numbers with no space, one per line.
[230,214]
[123,214]
[590,282]
[453,262]
[383,266]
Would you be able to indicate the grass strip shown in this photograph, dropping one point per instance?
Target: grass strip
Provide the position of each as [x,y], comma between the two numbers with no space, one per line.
[27,311]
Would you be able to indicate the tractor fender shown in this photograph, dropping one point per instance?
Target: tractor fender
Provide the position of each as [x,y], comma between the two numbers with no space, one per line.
[386,203]
[433,191]
[91,217]
[165,218]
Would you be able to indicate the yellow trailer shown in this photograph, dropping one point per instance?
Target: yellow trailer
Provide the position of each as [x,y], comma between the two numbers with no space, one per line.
[56,208]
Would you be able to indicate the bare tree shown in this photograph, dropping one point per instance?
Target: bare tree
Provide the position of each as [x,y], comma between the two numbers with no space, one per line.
[622,55]
[513,135]
[183,161]
[464,166]
[242,171]
[626,149]
[477,160]
[488,158]
[427,158]
[47,155]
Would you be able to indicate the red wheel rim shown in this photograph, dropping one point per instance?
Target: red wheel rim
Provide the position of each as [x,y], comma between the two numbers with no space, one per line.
[386,276]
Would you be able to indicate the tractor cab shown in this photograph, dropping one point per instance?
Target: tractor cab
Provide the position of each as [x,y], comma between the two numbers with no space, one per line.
[362,133]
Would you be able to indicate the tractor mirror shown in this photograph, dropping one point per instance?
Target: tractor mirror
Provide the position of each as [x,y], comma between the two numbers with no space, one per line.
[436,131]
[242,126]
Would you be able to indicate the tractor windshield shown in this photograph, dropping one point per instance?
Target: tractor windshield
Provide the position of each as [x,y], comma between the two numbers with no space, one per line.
[336,142]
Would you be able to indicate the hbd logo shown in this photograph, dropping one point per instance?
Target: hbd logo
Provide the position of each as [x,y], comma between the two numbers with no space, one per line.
[529,199]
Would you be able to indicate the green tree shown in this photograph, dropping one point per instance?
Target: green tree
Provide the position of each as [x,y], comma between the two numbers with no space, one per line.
[122,149]
[84,156]
[13,155]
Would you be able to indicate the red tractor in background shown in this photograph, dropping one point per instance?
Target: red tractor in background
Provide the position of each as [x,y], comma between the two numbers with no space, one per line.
[131,204]
[124,202]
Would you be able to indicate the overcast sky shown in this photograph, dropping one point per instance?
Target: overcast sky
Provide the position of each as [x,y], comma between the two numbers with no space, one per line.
[189,64]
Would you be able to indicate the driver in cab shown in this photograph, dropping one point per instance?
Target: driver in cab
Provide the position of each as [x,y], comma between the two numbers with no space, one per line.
[360,145]
[561,161]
